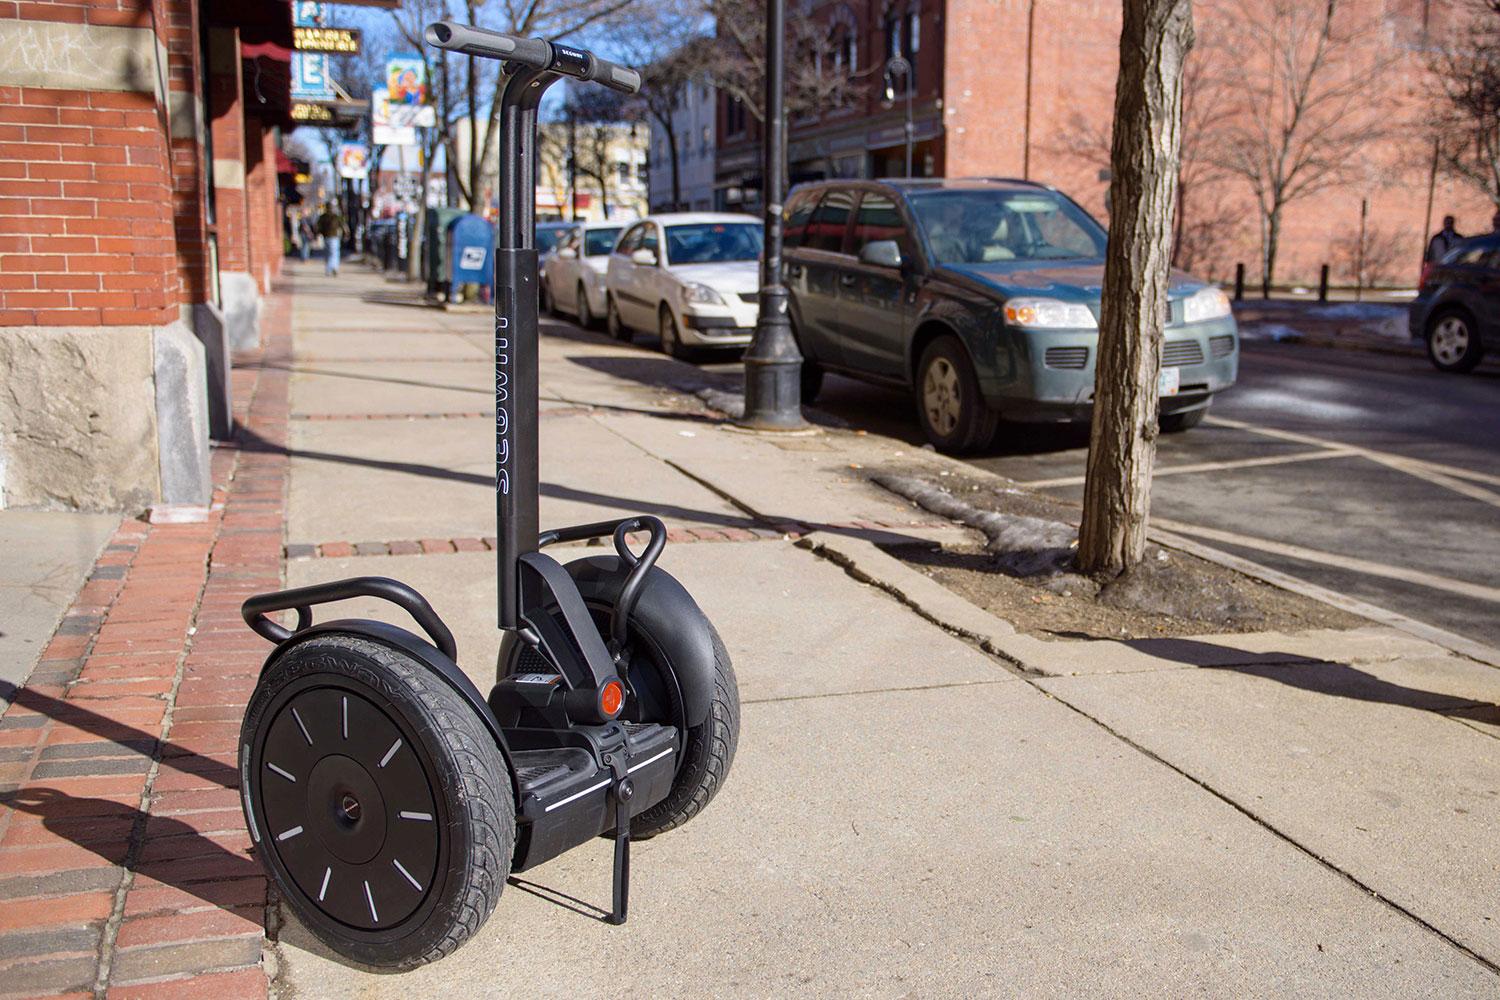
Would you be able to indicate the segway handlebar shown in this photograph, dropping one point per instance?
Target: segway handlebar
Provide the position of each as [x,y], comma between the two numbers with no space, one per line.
[256,609]
[533,52]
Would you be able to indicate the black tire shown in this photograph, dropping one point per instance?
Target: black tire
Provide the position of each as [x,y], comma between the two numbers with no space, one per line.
[586,317]
[1176,423]
[666,623]
[812,381]
[365,731]
[614,324]
[671,337]
[1453,343]
[952,412]
[548,304]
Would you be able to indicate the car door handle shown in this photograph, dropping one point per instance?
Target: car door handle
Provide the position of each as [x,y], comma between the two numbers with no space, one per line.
[794,270]
[848,279]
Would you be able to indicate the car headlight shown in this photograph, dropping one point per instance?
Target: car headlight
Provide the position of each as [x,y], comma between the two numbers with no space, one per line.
[1049,314]
[700,294]
[1206,303]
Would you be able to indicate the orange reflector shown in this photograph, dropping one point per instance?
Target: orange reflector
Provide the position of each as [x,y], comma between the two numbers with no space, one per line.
[612,698]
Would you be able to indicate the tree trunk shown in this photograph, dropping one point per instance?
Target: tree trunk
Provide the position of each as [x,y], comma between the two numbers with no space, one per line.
[1273,244]
[672,151]
[1154,41]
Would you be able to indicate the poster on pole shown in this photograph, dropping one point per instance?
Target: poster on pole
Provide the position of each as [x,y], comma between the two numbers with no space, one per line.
[406,79]
[353,160]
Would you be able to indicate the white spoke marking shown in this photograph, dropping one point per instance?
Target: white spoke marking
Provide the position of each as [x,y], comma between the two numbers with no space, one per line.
[373,915]
[346,717]
[289,834]
[390,753]
[285,774]
[402,869]
[302,726]
[424,817]
[327,874]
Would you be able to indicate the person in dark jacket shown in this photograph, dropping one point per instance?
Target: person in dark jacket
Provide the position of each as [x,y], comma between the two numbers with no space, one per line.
[331,227]
[1442,241]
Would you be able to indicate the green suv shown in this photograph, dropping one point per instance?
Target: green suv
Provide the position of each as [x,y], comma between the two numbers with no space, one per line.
[981,296]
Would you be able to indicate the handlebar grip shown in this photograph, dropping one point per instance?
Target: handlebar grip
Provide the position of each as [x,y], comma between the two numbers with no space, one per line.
[614,76]
[472,41]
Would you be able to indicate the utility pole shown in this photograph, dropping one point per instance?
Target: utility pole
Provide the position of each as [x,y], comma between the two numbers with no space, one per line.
[773,365]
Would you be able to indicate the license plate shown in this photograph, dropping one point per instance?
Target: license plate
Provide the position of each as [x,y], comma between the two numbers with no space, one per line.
[1168,382]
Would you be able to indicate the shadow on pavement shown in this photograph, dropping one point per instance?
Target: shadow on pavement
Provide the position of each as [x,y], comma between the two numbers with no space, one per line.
[1339,680]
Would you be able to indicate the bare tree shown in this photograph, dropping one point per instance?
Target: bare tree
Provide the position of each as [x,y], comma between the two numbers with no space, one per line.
[818,63]
[1373,259]
[1155,39]
[1304,101]
[592,122]
[1466,65]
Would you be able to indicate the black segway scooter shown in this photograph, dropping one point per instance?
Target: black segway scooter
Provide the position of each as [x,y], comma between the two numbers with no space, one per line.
[387,798]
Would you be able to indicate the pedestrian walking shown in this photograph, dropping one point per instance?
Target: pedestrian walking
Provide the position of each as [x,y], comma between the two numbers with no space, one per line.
[331,226]
[1443,240]
[306,234]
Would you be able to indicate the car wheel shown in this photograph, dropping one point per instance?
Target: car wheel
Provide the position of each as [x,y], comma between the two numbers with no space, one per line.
[585,313]
[1176,423]
[1453,341]
[953,414]
[812,381]
[671,339]
[615,325]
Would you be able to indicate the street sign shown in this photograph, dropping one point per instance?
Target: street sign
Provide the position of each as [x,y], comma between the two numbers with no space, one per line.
[309,14]
[318,39]
[310,79]
[384,112]
[406,79]
[353,160]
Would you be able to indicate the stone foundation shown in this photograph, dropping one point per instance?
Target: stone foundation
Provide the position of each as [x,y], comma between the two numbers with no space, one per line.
[241,301]
[102,418]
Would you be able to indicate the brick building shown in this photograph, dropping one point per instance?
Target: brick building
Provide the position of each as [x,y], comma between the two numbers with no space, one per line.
[139,227]
[1024,88]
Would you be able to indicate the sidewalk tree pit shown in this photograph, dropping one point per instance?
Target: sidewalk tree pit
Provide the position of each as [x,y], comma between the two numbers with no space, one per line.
[388,798]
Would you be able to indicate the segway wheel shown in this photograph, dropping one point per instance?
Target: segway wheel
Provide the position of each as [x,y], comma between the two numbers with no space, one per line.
[377,801]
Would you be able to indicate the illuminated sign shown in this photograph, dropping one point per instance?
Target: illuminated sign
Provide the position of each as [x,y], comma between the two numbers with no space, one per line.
[312,112]
[340,40]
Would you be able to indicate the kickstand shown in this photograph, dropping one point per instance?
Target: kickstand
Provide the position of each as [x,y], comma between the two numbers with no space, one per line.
[623,789]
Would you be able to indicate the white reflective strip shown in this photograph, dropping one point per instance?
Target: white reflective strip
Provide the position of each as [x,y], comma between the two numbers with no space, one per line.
[577,795]
[346,717]
[285,774]
[302,726]
[327,874]
[289,834]
[402,869]
[373,915]
[390,753]
[427,817]
[653,760]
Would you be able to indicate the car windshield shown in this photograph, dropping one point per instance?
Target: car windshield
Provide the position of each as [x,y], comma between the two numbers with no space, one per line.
[598,242]
[548,239]
[713,242]
[979,227]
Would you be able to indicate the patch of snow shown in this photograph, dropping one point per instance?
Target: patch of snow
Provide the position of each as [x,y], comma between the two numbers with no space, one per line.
[1381,320]
[1269,331]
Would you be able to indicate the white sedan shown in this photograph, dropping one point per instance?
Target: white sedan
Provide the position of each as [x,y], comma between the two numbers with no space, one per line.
[573,278]
[693,277]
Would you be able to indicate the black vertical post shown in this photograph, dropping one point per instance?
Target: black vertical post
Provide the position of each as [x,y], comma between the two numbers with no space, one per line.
[773,365]
[1323,284]
[1239,282]
[516,372]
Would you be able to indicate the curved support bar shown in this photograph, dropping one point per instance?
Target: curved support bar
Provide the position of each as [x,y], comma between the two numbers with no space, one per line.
[255,609]
[619,617]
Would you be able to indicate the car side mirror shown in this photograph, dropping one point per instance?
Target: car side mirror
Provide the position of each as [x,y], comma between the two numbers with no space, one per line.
[644,257]
[881,253]
[567,253]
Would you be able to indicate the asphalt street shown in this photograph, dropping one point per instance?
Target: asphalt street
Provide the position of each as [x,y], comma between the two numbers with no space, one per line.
[1371,474]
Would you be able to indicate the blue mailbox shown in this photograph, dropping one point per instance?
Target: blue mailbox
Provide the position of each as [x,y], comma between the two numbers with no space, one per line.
[471,256]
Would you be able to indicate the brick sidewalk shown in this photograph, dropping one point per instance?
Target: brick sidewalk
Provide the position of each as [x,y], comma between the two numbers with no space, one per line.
[124,861]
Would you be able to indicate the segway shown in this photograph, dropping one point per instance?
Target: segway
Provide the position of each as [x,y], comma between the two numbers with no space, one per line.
[387,798]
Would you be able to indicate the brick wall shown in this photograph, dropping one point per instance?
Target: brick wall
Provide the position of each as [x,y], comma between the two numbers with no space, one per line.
[85,220]
[226,122]
[264,236]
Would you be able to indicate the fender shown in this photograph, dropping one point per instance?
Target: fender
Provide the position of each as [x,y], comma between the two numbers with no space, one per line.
[423,652]
[686,640]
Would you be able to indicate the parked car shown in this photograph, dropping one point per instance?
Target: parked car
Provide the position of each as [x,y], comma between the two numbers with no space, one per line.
[1457,308]
[691,276]
[982,297]
[550,234]
[573,279]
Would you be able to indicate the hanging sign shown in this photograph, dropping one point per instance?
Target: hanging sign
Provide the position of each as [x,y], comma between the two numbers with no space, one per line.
[310,79]
[406,79]
[340,40]
[353,160]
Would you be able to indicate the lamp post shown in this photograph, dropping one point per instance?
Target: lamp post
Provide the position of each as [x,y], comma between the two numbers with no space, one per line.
[897,66]
[773,365]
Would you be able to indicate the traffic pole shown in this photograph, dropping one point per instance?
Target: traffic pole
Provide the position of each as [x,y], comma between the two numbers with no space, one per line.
[773,364]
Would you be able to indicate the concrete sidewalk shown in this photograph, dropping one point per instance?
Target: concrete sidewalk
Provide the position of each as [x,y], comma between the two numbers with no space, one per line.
[908,813]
